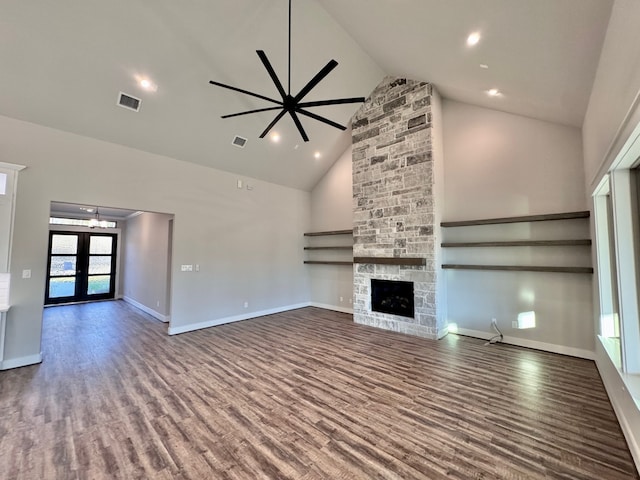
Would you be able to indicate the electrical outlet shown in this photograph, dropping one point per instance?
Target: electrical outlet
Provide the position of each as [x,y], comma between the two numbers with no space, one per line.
[494,322]
[341,299]
[158,303]
[514,324]
[246,304]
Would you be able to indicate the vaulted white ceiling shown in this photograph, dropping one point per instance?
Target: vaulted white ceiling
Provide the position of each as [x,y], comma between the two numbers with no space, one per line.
[63,63]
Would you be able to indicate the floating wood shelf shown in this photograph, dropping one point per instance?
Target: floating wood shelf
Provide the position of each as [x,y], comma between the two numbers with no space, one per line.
[520,243]
[326,262]
[516,268]
[343,248]
[390,260]
[334,232]
[527,218]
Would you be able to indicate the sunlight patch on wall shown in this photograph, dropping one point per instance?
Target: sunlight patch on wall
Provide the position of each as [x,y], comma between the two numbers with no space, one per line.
[526,320]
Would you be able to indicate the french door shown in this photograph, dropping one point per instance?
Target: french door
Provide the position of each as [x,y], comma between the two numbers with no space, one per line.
[81,267]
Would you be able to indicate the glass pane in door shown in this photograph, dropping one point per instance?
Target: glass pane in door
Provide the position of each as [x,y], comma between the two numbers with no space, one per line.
[99,264]
[100,245]
[64,244]
[62,287]
[99,284]
[63,265]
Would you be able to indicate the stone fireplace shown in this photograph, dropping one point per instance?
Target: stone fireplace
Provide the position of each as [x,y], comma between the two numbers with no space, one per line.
[397,183]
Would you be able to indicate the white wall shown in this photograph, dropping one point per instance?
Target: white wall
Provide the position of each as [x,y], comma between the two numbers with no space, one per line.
[613,107]
[500,165]
[613,114]
[247,243]
[331,209]
[146,253]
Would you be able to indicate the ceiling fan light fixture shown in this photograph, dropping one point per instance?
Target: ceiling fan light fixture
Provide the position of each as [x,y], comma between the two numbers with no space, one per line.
[96,222]
[290,104]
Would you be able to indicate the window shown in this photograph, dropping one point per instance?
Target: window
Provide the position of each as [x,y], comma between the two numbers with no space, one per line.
[617,222]
[607,276]
[79,222]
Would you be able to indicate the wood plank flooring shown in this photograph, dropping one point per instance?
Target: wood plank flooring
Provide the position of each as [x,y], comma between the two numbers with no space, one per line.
[304,395]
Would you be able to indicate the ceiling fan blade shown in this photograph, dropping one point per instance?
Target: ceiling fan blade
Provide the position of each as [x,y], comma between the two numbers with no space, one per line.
[296,120]
[251,111]
[321,119]
[315,80]
[272,124]
[337,101]
[245,92]
[272,73]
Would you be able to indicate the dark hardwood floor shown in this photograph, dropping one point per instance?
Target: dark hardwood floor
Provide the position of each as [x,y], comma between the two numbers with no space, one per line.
[305,395]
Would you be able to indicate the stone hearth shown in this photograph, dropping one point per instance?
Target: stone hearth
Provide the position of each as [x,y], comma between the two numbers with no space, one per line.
[396,184]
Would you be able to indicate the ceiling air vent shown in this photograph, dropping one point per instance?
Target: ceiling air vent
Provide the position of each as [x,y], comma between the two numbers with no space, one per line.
[239,141]
[127,101]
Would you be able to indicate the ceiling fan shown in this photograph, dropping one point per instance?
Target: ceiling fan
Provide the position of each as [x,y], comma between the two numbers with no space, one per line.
[293,105]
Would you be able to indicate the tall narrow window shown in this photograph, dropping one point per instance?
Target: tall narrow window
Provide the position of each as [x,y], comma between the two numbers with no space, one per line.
[607,275]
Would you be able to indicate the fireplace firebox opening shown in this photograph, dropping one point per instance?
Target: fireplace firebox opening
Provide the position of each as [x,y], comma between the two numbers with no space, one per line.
[393,297]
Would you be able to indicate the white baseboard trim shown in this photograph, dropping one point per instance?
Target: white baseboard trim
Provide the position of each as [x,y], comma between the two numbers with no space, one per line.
[523,342]
[443,332]
[235,318]
[21,361]
[335,308]
[626,407]
[145,309]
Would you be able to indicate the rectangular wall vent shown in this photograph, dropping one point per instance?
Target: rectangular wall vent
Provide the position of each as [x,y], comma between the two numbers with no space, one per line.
[239,141]
[127,101]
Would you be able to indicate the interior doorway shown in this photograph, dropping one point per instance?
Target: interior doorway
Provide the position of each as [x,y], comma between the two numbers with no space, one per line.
[102,253]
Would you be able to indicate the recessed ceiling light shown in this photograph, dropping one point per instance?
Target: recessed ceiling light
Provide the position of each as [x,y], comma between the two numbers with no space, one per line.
[484,65]
[146,84]
[494,92]
[473,39]
[316,155]
[275,137]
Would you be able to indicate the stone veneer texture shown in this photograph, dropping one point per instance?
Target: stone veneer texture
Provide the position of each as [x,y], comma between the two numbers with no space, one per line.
[393,200]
